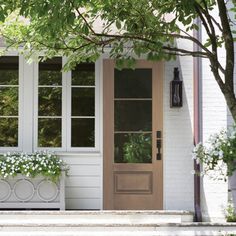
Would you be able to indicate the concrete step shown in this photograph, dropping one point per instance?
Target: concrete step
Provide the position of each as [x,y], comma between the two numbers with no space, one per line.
[108,223]
[95,217]
[119,230]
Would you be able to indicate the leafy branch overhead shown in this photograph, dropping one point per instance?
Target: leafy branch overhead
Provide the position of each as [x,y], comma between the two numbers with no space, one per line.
[82,30]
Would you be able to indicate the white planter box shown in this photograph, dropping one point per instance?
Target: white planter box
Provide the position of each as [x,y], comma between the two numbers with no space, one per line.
[21,192]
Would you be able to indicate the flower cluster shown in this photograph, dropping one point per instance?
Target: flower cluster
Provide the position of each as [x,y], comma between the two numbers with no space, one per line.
[46,164]
[218,154]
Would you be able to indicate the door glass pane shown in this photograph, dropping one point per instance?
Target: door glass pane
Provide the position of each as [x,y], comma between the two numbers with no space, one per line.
[133,115]
[82,132]
[50,101]
[133,83]
[83,74]
[8,101]
[49,132]
[9,132]
[133,148]
[83,101]
[50,72]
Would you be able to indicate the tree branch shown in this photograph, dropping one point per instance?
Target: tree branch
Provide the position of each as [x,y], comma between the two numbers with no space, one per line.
[229,44]
[83,18]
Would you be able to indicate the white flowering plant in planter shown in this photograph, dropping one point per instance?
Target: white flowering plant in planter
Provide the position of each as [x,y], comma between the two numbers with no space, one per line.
[44,163]
[218,154]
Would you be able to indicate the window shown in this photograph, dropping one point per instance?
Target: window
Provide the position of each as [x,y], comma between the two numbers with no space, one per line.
[50,103]
[83,106]
[66,106]
[42,107]
[9,99]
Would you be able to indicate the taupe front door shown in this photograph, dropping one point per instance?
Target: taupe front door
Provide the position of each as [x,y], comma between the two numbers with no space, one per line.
[133,177]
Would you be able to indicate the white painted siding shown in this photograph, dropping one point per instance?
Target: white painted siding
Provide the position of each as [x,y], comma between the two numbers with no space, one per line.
[84,181]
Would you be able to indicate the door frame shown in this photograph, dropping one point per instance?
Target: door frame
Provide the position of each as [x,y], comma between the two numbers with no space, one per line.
[108,129]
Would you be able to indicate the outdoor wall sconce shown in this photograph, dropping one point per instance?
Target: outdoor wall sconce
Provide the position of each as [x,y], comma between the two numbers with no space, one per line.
[176,94]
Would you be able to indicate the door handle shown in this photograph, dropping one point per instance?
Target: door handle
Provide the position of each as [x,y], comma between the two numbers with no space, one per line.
[158,157]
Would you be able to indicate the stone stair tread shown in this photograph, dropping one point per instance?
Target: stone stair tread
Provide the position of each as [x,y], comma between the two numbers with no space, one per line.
[99,212]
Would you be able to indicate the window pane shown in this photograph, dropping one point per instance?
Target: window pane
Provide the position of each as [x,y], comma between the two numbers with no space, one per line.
[82,132]
[50,72]
[84,74]
[83,101]
[9,70]
[133,115]
[9,132]
[133,83]
[133,148]
[8,77]
[50,101]
[9,101]
[49,132]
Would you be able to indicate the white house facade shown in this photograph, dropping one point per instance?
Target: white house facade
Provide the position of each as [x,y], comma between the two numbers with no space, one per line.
[64,112]
[87,115]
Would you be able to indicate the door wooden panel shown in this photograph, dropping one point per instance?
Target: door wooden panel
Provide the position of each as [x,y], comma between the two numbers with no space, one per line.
[133,182]
[133,175]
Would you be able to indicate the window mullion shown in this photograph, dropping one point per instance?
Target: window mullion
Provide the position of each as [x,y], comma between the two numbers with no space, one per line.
[64,107]
[36,94]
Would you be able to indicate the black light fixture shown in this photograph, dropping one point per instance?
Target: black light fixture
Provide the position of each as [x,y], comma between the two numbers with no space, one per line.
[176,94]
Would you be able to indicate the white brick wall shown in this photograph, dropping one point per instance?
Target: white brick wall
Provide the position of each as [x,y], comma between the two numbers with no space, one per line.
[214,193]
[178,140]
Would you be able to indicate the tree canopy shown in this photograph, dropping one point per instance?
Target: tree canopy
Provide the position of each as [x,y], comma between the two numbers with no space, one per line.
[82,30]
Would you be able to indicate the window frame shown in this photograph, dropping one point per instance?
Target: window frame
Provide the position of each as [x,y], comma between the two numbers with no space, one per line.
[66,113]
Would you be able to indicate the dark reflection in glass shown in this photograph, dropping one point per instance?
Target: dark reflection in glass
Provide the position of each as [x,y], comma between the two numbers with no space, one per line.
[82,132]
[8,101]
[9,132]
[50,71]
[9,70]
[9,77]
[133,83]
[50,101]
[49,132]
[133,115]
[50,78]
[133,148]
[84,74]
[83,101]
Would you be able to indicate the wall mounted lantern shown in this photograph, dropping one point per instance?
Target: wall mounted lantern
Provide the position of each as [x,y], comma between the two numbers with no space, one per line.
[176,94]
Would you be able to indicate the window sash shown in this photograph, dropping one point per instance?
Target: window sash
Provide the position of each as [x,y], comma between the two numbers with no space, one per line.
[66,112]
[19,116]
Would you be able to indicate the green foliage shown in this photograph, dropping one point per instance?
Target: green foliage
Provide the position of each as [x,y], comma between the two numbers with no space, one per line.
[30,165]
[230,214]
[67,27]
[138,149]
